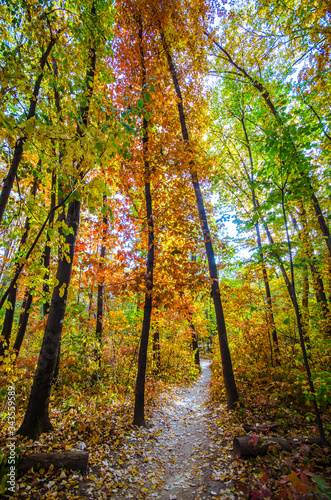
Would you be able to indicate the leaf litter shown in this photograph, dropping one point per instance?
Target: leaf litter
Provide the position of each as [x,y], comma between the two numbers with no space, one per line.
[185,453]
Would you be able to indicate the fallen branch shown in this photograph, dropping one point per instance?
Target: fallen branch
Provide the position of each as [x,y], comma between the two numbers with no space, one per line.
[74,460]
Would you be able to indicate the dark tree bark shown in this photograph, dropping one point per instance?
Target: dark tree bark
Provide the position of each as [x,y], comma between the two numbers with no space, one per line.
[228,376]
[139,407]
[270,315]
[301,330]
[156,352]
[9,180]
[36,420]
[61,216]
[195,345]
[317,280]
[23,321]
[8,322]
[99,326]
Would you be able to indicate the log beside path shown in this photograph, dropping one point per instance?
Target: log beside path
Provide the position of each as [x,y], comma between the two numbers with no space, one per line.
[253,446]
[74,460]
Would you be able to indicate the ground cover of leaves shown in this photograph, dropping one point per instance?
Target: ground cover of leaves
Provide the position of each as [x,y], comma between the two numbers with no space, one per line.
[184,454]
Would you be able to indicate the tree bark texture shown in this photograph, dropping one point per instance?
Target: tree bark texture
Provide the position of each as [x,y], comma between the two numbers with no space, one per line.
[228,376]
[195,346]
[36,420]
[99,326]
[156,352]
[139,407]
[23,321]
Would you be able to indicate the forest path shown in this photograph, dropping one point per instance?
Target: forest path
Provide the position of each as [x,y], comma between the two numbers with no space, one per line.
[176,457]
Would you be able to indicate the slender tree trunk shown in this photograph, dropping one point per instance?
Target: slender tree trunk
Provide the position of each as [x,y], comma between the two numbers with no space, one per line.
[23,321]
[36,420]
[156,352]
[195,345]
[317,280]
[9,180]
[8,322]
[270,315]
[139,408]
[228,376]
[301,332]
[99,327]
[10,312]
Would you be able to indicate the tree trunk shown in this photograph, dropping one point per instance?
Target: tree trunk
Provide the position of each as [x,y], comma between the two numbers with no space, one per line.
[23,321]
[156,352]
[317,280]
[139,408]
[301,331]
[36,420]
[9,180]
[195,346]
[8,322]
[228,376]
[99,326]
[9,314]
[270,315]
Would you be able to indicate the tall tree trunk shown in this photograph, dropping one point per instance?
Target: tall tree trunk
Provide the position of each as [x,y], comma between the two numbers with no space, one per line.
[9,180]
[317,280]
[156,352]
[23,321]
[195,345]
[270,315]
[99,326]
[228,376]
[139,407]
[302,333]
[8,322]
[36,420]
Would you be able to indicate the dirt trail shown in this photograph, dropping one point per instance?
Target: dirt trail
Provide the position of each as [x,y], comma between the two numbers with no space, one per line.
[176,458]
[185,446]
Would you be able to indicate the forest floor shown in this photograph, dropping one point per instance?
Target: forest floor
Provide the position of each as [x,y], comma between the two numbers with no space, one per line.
[185,453]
